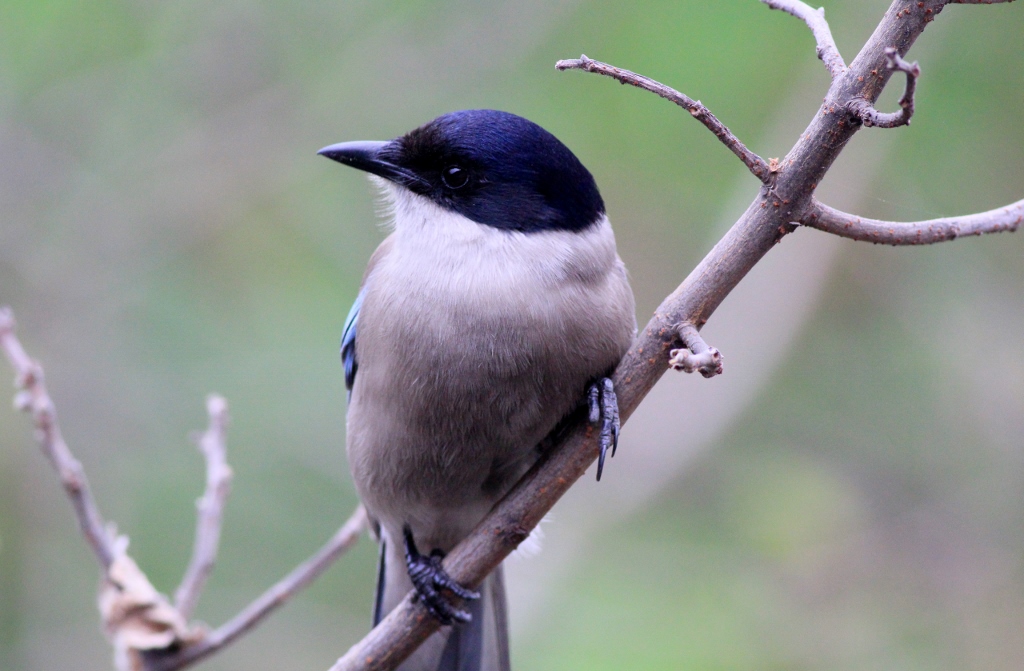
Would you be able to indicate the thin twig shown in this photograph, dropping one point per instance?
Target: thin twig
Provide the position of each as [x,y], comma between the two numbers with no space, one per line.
[33,398]
[267,602]
[210,508]
[867,113]
[825,218]
[766,221]
[757,165]
[696,355]
[827,50]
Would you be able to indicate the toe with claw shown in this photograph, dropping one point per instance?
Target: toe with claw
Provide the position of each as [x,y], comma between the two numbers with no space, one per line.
[604,412]
[429,578]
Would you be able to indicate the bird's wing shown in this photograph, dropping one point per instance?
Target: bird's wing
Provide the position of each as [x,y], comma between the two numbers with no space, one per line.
[348,342]
[348,333]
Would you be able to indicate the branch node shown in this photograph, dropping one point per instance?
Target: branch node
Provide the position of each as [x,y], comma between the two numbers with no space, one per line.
[136,618]
[171,659]
[697,356]
[866,112]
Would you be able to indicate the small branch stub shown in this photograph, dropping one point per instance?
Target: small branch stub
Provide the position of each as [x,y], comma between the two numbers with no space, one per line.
[697,356]
[866,112]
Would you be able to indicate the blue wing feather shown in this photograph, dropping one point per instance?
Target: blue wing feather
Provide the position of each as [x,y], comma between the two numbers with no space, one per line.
[348,343]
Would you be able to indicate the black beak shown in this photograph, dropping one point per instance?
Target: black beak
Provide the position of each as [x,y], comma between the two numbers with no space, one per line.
[371,157]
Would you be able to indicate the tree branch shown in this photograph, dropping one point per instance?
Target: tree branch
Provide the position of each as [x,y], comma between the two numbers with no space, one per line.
[825,218]
[210,507]
[33,398]
[266,603]
[866,112]
[147,632]
[827,50]
[766,221]
[757,165]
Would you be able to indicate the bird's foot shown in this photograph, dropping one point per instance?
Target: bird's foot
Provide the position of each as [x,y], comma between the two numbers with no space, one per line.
[429,577]
[604,411]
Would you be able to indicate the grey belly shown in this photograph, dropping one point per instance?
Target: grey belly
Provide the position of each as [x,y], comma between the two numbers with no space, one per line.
[435,440]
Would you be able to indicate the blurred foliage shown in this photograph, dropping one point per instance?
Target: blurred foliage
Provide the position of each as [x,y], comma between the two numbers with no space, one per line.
[168,231]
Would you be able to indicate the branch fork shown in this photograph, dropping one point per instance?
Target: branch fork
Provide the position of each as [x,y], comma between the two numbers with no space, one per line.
[147,631]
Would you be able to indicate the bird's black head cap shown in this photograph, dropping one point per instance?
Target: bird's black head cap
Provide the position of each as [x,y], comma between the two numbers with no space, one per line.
[492,167]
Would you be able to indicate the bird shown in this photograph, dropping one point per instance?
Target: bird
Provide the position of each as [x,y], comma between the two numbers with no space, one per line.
[487,321]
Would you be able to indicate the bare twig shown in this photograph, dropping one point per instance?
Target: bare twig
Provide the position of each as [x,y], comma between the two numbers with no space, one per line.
[210,507]
[767,220]
[33,398]
[754,163]
[827,50]
[825,218]
[267,602]
[867,113]
[696,355]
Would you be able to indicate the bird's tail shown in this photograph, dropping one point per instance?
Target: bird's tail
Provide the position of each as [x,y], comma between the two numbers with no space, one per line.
[478,645]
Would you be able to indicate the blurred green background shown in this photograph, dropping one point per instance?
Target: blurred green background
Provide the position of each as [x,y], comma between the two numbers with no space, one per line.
[849,495]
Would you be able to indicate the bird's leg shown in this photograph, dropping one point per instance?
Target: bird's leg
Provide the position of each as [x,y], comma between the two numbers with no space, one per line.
[604,410]
[428,576]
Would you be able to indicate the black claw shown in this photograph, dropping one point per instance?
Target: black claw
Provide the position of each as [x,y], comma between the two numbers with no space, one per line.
[604,408]
[427,576]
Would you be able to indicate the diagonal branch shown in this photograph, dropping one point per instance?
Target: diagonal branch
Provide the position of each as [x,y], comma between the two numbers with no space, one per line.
[825,218]
[754,163]
[210,507]
[766,221]
[867,113]
[827,50]
[266,603]
[34,399]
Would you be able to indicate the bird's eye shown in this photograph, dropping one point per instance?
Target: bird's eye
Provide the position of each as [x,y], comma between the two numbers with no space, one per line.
[454,177]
